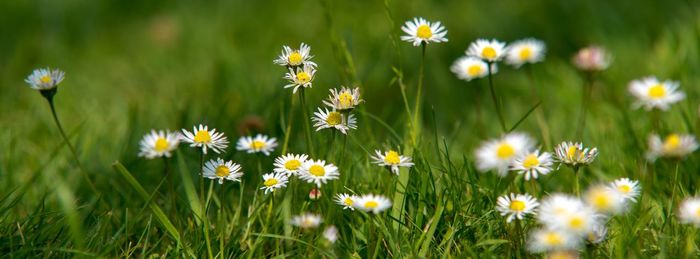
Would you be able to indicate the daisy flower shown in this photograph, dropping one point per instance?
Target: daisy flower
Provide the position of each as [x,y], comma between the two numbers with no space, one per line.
[533,164]
[289,164]
[574,154]
[259,143]
[689,211]
[604,199]
[295,57]
[489,51]
[597,235]
[318,172]
[422,31]
[343,99]
[592,59]
[391,159]
[372,203]
[498,154]
[300,77]
[45,79]
[652,93]
[205,138]
[568,214]
[159,144]
[315,194]
[345,200]
[629,189]
[222,170]
[331,234]
[516,206]
[307,220]
[545,240]
[673,146]
[525,51]
[274,181]
[468,68]
[325,119]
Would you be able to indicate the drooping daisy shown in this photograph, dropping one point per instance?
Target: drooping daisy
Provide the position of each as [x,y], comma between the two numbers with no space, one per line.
[372,203]
[489,51]
[689,211]
[533,164]
[344,99]
[604,200]
[525,51]
[592,59]
[45,78]
[259,143]
[325,119]
[545,240]
[568,214]
[222,170]
[159,144]
[318,172]
[498,154]
[289,164]
[295,57]
[516,206]
[673,146]
[205,138]
[629,189]
[331,234]
[597,235]
[468,68]
[307,220]
[300,77]
[391,159]
[274,181]
[422,31]
[652,93]
[345,200]
[574,154]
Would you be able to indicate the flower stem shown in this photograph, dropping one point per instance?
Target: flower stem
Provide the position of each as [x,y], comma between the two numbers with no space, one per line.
[171,183]
[577,186]
[519,238]
[585,99]
[671,202]
[416,112]
[496,103]
[201,176]
[307,127]
[288,131]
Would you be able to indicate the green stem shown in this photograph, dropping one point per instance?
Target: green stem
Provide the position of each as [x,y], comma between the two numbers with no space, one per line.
[519,238]
[577,186]
[307,127]
[171,184]
[417,108]
[288,131]
[585,99]
[496,103]
[671,202]
[201,177]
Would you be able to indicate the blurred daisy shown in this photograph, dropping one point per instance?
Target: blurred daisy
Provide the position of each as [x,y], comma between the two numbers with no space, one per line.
[489,51]
[391,159]
[344,99]
[629,189]
[318,172]
[597,235]
[295,57]
[574,154]
[468,68]
[533,164]
[421,31]
[592,59]
[652,93]
[498,154]
[673,146]
[274,181]
[545,240]
[605,200]
[315,194]
[307,220]
[205,138]
[300,77]
[372,203]
[525,51]
[689,211]
[516,206]
[331,234]
[222,170]
[159,144]
[45,79]
[289,164]
[325,119]
[568,214]
[345,200]
[259,143]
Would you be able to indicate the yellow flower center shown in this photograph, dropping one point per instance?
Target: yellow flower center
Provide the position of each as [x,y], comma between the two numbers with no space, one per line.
[657,91]
[292,164]
[371,204]
[348,201]
[345,99]
[525,53]
[303,77]
[505,151]
[392,157]
[334,118]
[572,152]
[517,205]
[270,182]
[257,145]
[424,32]
[295,58]
[553,239]
[601,201]
[45,79]
[531,161]
[221,171]
[576,222]
[317,170]
[624,188]
[697,212]
[488,52]
[161,145]
[672,142]
[474,70]
[202,136]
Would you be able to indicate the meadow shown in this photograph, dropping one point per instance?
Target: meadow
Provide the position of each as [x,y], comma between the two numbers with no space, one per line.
[461,148]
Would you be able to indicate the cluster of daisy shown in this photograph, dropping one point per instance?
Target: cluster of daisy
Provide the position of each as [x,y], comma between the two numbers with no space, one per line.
[301,70]
[317,172]
[482,55]
[341,101]
[367,203]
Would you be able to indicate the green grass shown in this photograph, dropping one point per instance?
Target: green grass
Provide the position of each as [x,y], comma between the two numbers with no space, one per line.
[133,66]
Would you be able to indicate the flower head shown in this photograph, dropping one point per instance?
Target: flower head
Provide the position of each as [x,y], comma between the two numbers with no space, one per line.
[604,199]
[592,59]
[533,164]
[331,234]
[295,57]
[575,154]
[568,214]
[45,78]
[628,189]
[300,77]
[391,159]
[652,93]
[289,164]
[372,203]
[159,144]
[516,206]
[307,220]
[345,200]
[318,172]
[468,68]
[422,31]
[259,143]
[498,154]
[325,119]
[689,211]
[597,235]
[222,170]
[489,51]
[205,138]
[344,99]
[546,240]
[525,51]
[274,181]
[672,146]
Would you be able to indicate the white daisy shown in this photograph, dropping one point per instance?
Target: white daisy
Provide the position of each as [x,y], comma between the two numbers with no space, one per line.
[318,172]
[545,240]
[372,203]
[259,143]
[574,154]
[489,51]
[205,138]
[422,31]
[468,68]
[391,159]
[516,206]
[274,181]
[159,144]
[289,164]
[604,199]
[652,93]
[300,77]
[629,189]
[45,78]
[331,234]
[592,59]
[343,99]
[498,154]
[533,164]
[689,211]
[569,214]
[325,119]
[525,51]
[345,200]
[222,170]
[295,57]
[597,235]
[307,220]
[673,146]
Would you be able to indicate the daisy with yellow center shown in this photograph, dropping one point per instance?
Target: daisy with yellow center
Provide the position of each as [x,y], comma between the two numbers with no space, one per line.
[295,57]
[525,51]
[345,200]
[325,119]
[575,154]
[499,154]
[258,144]
[222,170]
[672,146]
[307,220]
[689,211]
[592,59]
[546,240]
[206,139]
[45,79]
[344,99]
[533,164]
[568,214]
[372,203]
[652,93]
[392,159]
[420,31]
[159,144]
[469,68]
[489,51]
[289,164]
[318,172]
[274,181]
[300,77]
[516,206]
[628,189]
[604,199]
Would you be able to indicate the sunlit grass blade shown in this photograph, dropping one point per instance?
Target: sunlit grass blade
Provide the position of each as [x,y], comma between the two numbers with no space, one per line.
[515,126]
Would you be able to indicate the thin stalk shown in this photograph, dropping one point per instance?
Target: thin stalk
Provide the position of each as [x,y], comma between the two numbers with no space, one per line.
[288,131]
[671,202]
[496,102]
[577,186]
[585,99]
[417,108]
[201,177]
[307,127]
[539,114]
[171,183]
[519,236]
